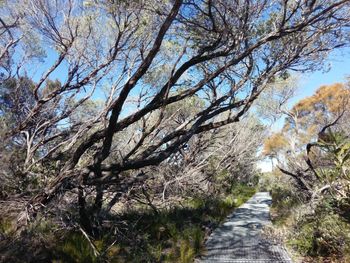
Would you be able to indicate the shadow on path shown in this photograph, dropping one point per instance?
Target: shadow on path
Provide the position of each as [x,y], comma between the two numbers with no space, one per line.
[239,238]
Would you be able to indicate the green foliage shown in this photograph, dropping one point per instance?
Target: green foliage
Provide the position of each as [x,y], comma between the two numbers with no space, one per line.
[229,201]
[325,234]
[156,251]
[337,145]
[284,200]
[36,244]
[314,232]
[75,248]
[304,239]
[6,226]
[242,193]
[186,252]
[173,235]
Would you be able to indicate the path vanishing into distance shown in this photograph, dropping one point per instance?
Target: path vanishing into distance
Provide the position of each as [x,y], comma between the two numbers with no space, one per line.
[239,239]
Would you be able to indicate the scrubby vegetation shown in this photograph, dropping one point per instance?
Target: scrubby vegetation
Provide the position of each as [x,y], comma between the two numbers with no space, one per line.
[175,234]
[320,233]
[311,184]
[130,129]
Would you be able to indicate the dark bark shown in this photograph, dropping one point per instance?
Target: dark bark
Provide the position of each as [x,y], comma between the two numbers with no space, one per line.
[84,218]
[298,178]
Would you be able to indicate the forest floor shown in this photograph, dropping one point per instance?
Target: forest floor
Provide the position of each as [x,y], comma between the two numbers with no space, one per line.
[239,239]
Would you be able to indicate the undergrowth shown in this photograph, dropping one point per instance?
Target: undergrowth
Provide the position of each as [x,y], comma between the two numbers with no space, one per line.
[312,234]
[175,234]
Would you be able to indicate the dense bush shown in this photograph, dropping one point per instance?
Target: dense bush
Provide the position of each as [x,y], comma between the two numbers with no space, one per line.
[284,200]
[316,230]
[175,234]
[323,234]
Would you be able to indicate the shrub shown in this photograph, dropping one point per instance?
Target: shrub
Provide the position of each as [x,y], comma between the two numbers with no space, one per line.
[75,248]
[323,234]
[332,236]
[186,252]
[283,202]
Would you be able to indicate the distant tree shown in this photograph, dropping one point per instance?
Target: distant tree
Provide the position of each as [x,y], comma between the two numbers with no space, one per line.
[313,144]
[312,113]
[274,144]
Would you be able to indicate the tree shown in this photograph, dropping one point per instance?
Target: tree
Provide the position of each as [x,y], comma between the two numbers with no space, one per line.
[316,151]
[274,144]
[149,55]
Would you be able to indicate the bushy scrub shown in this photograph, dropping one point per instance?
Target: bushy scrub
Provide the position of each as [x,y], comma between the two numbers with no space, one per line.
[36,244]
[241,193]
[323,233]
[283,202]
[178,234]
[175,234]
[75,248]
[332,236]
[6,226]
[315,230]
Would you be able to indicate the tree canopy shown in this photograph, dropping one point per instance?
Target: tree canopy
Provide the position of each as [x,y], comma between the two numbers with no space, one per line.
[138,82]
[315,140]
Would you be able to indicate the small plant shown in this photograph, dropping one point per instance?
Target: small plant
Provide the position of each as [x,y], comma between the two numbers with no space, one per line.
[75,248]
[156,252]
[186,252]
[6,226]
[230,201]
[284,200]
[198,237]
[303,241]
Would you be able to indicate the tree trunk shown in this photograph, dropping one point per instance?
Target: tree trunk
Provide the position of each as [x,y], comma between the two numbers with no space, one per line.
[84,217]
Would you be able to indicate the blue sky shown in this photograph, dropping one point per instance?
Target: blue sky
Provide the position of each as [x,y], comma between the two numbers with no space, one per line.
[340,68]
[337,68]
